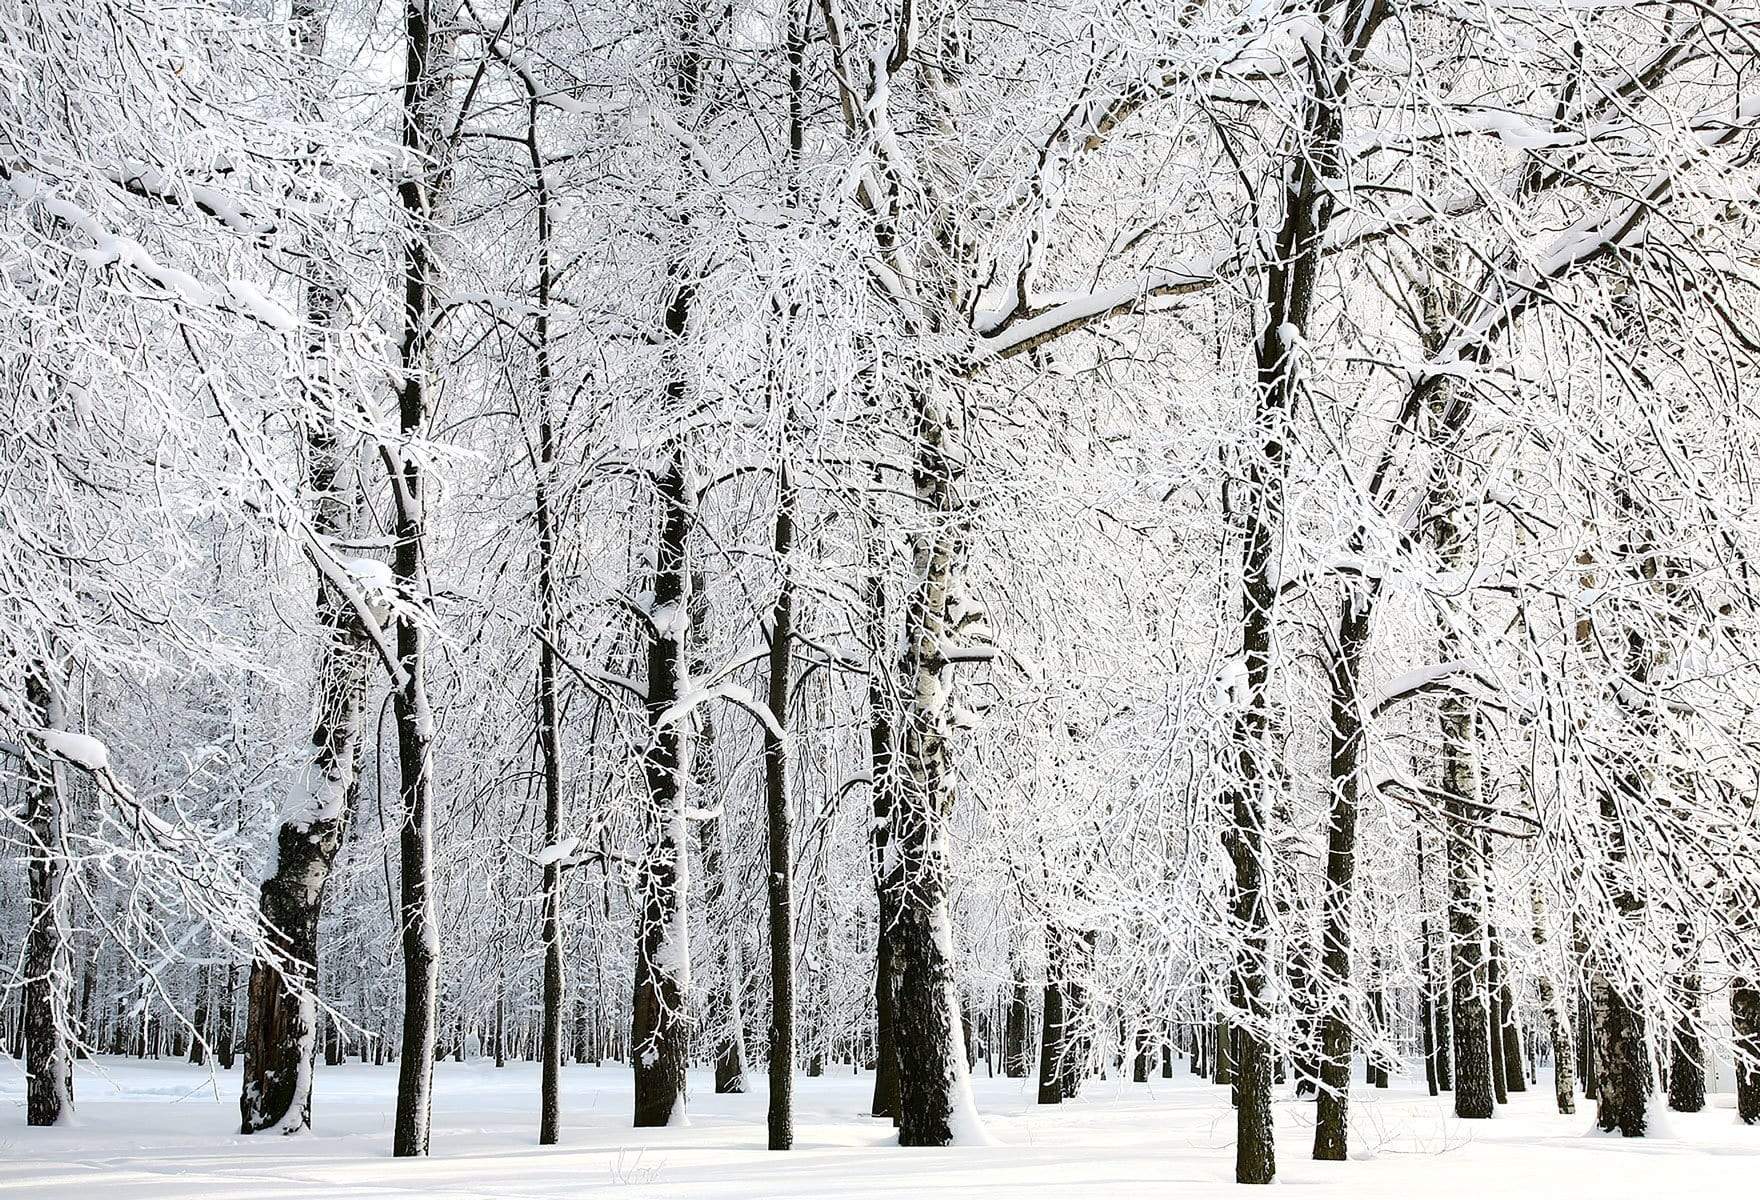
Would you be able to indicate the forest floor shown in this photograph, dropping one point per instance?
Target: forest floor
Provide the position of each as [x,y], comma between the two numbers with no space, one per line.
[165,1130]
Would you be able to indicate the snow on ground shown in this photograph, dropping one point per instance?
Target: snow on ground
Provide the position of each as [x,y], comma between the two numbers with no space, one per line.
[165,1130]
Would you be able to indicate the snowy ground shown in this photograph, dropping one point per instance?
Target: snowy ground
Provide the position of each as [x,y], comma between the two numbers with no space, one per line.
[166,1130]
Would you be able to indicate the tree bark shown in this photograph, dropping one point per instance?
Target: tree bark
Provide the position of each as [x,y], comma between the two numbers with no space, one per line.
[1686,1066]
[47,1054]
[1017,1059]
[1494,985]
[1558,1024]
[1053,1029]
[1332,1104]
[660,1028]
[280,1036]
[1622,1060]
[426,90]
[549,729]
[779,826]
[1507,1038]
[1744,1012]
[882,862]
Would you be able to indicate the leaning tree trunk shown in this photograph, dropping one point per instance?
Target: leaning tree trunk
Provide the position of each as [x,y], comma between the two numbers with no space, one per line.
[47,1054]
[426,91]
[280,1034]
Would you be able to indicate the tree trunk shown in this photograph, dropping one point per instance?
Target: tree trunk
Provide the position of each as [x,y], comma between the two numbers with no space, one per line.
[882,863]
[1622,1060]
[1558,1024]
[1686,1067]
[779,826]
[1506,1036]
[723,1007]
[934,1087]
[1017,1060]
[198,1044]
[1332,1107]
[280,1035]
[48,1060]
[1493,984]
[723,1015]
[660,1029]
[549,729]
[1051,1045]
[1463,852]
[427,76]
[1744,1013]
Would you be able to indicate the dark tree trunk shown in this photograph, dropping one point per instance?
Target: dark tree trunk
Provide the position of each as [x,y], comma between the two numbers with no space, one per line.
[1586,1043]
[426,94]
[1290,281]
[1507,1038]
[1686,1066]
[1471,1018]
[1744,1012]
[1332,1107]
[1623,1076]
[881,862]
[779,819]
[47,1055]
[1427,1039]
[1051,1045]
[1378,1013]
[1426,981]
[1017,1055]
[88,988]
[933,1084]
[659,1031]
[1493,982]
[1222,1052]
[934,1088]
[549,728]
[778,806]
[722,1008]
